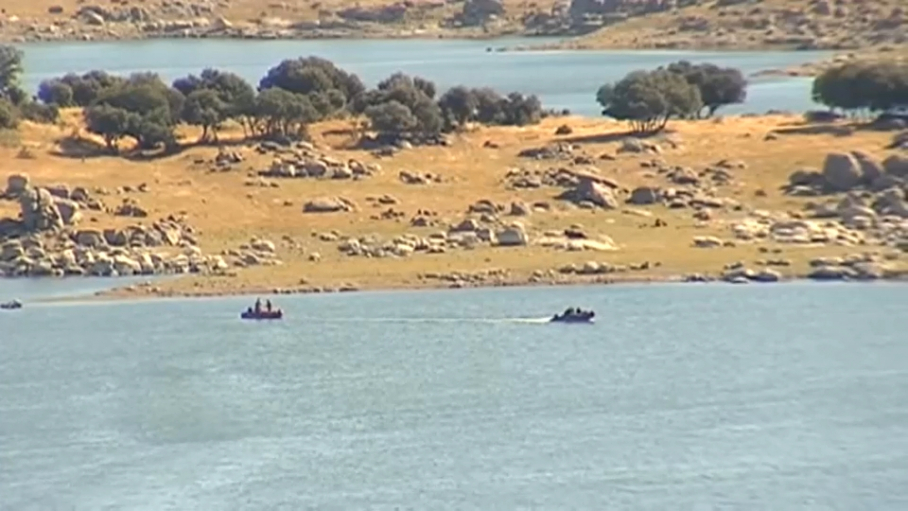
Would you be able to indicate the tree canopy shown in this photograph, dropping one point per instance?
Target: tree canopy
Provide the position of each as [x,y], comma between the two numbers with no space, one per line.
[141,107]
[718,86]
[214,97]
[854,87]
[292,95]
[648,99]
[11,74]
[330,87]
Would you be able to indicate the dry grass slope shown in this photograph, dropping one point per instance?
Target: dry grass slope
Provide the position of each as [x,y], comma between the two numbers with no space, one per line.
[228,212]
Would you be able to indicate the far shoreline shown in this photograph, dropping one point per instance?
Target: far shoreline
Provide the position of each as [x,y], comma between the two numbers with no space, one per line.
[127,294]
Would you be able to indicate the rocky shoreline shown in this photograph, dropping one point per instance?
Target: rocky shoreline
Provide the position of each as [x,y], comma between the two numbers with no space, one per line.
[736,276]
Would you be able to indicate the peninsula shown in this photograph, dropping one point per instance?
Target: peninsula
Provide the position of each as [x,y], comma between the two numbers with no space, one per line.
[310,181]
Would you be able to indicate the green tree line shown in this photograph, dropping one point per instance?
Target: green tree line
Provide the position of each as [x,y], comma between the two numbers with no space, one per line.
[291,96]
[298,92]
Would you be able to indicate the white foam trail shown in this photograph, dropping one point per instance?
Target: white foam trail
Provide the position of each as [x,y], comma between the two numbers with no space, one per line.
[425,320]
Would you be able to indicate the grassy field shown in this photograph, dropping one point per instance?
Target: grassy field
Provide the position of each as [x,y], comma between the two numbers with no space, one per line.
[228,212]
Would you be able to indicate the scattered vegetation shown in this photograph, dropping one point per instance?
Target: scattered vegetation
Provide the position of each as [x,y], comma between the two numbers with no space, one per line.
[648,99]
[291,96]
[298,92]
[718,86]
[857,88]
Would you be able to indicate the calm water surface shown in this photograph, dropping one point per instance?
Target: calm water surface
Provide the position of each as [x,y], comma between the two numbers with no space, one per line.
[562,79]
[783,397]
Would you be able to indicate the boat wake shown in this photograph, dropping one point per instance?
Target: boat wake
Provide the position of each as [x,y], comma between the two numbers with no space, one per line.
[427,320]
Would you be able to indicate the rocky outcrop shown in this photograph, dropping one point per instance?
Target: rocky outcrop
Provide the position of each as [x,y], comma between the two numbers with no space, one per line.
[844,172]
[864,266]
[581,9]
[136,250]
[40,209]
[477,12]
[513,235]
[556,151]
[644,195]
[305,162]
[738,273]
[328,205]
[593,191]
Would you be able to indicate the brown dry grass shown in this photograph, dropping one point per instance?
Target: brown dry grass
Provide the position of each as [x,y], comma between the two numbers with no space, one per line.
[229,213]
[239,11]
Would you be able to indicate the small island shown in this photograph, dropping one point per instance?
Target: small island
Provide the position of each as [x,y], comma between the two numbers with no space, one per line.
[309,181]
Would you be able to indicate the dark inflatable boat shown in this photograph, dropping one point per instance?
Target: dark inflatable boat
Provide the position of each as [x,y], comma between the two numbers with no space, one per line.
[251,314]
[11,305]
[574,316]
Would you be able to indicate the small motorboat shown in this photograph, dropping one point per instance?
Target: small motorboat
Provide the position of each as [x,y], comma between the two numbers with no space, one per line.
[262,314]
[574,316]
[11,305]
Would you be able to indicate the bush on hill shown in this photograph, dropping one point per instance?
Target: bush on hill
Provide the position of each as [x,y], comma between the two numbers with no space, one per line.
[718,86]
[648,99]
[141,107]
[856,87]
[9,116]
[291,95]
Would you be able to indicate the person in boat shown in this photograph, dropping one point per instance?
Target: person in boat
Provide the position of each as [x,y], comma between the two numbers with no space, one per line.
[258,305]
[268,305]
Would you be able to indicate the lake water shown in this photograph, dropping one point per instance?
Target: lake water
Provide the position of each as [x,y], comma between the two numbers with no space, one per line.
[783,397]
[561,79]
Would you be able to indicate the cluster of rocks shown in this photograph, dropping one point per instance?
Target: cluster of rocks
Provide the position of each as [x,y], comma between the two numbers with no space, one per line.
[329,205]
[425,218]
[592,191]
[738,273]
[383,145]
[861,266]
[303,164]
[843,172]
[45,240]
[574,154]
[530,179]
[412,178]
[556,151]
[864,266]
[467,234]
[51,208]
[587,189]
[852,221]
[135,250]
[479,12]
[604,268]
[131,208]
[719,174]
[639,146]
[224,161]
[257,252]
[396,12]
[400,246]
[167,9]
[459,279]
[490,210]
[794,231]
[43,208]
